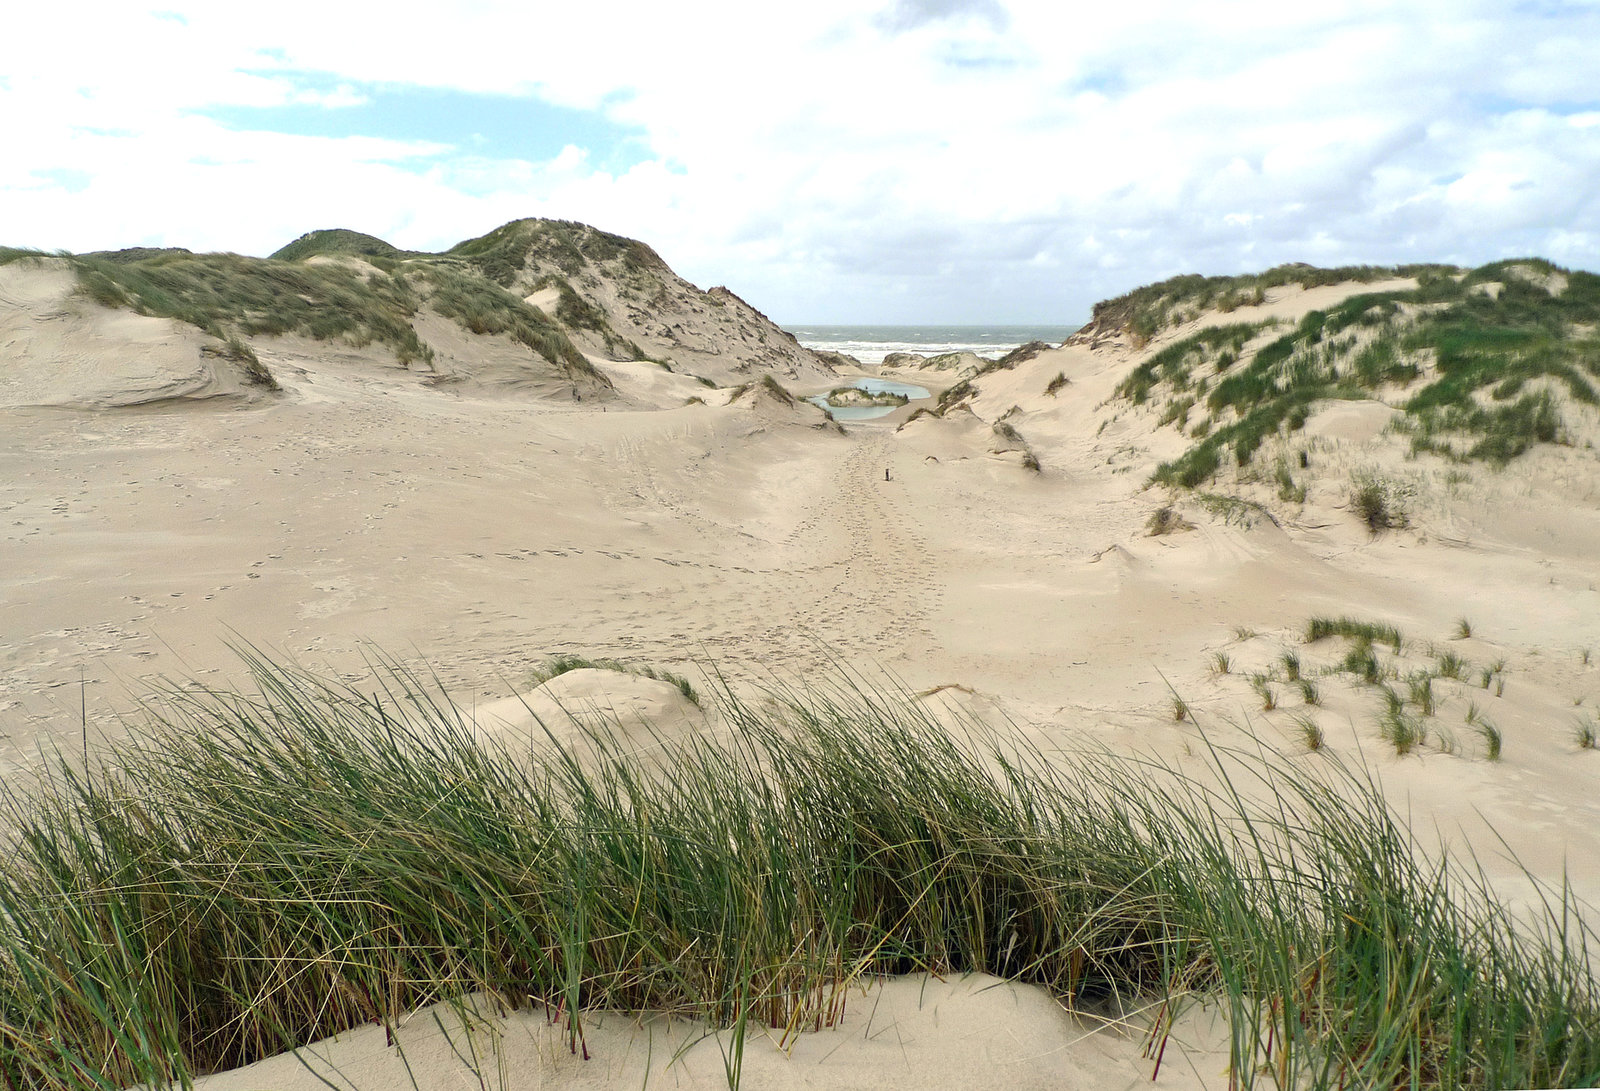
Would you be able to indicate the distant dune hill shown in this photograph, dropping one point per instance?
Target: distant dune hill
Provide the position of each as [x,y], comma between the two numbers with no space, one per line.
[612,296]
[615,295]
[1302,386]
[335,241]
[1144,312]
[529,308]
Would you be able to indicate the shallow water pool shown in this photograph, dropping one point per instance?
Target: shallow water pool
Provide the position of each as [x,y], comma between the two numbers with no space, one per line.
[871,386]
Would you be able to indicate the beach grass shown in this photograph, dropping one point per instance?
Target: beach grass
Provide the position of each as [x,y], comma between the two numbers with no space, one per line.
[481,306]
[1493,739]
[1480,364]
[1377,503]
[1586,732]
[1370,632]
[1261,683]
[231,295]
[251,872]
[1146,311]
[9,254]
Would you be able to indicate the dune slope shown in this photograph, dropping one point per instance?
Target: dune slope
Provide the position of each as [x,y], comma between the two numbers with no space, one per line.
[1121,541]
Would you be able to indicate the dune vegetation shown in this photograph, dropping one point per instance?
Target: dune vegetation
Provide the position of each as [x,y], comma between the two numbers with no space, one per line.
[1479,363]
[375,299]
[1144,312]
[230,295]
[1412,685]
[855,396]
[254,872]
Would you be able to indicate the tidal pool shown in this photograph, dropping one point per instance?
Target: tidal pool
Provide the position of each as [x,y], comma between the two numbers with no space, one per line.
[871,386]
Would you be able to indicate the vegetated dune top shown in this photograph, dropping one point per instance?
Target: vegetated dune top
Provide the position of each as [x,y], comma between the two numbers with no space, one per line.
[613,296]
[1416,446]
[57,348]
[526,309]
[1412,448]
[1222,378]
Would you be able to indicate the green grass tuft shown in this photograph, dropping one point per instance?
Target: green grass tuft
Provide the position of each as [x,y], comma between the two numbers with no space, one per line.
[1493,740]
[1310,731]
[1422,695]
[1401,729]
[1585,732]
[1372,632]
[1452,666]
[1262,685]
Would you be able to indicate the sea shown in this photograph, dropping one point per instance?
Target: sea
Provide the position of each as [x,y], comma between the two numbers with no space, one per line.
[870,344]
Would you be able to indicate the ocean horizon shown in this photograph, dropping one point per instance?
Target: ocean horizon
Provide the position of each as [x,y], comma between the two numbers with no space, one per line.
[870,344]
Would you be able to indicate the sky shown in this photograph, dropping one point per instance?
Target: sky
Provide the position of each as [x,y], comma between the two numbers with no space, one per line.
[848,161]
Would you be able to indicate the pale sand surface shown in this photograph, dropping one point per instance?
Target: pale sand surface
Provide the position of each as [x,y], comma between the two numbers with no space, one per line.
[479,532]
[919,1032]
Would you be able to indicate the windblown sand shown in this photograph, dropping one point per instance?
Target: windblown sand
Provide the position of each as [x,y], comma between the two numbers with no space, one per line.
[364,509]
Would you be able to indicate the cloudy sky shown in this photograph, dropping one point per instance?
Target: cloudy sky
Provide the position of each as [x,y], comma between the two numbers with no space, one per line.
[831,161]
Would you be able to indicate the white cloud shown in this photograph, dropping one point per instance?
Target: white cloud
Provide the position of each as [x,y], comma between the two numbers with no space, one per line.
[340,98]
[912,160]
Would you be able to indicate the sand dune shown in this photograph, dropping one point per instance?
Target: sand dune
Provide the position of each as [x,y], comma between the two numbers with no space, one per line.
[60,349]
[680,527]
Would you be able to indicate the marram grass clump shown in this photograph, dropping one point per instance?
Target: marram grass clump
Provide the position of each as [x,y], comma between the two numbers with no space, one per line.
[1483,365]
[254,872]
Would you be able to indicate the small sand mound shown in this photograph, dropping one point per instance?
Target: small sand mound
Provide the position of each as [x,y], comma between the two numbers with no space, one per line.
[1553,282]
[639,712]
[1353,422]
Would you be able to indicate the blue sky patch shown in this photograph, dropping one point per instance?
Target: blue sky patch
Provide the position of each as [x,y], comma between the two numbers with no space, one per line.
[66,178]
[490,126]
